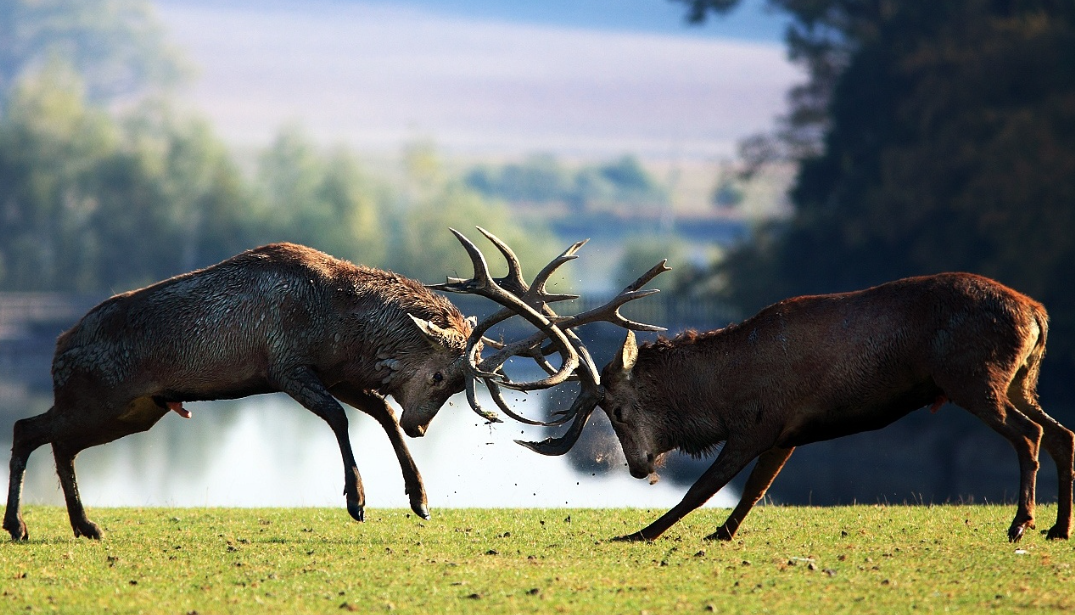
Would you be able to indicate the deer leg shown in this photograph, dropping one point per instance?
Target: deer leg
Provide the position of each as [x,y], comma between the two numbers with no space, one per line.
[729,462]
[65,468]
[761,477]
[29,434]
[375,406]
[1025,437]
[303,385]
[1059,442]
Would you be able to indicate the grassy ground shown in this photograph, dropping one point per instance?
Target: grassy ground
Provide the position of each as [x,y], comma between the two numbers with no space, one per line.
[857,559]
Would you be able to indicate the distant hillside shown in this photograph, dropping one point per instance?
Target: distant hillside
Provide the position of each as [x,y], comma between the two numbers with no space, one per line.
[376,75]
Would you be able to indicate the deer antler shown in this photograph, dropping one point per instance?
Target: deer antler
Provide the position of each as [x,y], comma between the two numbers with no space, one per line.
[592,392]
[532,303]
[521,300]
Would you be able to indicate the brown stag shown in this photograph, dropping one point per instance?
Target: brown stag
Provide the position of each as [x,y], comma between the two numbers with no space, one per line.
[282,317]
[816,368]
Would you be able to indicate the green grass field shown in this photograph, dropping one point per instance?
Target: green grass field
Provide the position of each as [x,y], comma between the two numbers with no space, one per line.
[857,559]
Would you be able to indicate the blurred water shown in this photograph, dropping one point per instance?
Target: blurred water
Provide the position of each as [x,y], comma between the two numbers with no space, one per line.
[269,451]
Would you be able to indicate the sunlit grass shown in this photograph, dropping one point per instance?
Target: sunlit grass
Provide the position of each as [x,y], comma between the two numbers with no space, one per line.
[785,560]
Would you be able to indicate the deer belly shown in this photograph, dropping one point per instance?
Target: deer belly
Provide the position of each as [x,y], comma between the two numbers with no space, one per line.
[843,420]
[207,380]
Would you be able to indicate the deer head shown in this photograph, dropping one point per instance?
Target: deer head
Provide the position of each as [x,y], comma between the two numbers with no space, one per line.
[423,381]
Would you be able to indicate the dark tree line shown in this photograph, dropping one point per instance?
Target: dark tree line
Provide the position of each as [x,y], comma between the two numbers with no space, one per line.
[930,136]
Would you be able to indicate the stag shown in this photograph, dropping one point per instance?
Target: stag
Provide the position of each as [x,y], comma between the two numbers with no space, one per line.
[281,317]
[815,368]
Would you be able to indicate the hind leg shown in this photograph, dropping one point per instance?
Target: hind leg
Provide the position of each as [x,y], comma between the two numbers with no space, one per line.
[65,468]
[74,432]
[29,434]
[1059,442]
[1025,437]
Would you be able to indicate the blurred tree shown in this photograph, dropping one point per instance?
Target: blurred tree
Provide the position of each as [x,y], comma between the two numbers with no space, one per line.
[938,136]
[542,179]
[321,200]
[115,45]
[50,146]
[633,184]
[169,200]
[728,192]
[431,202]
[89,203]
[539,179]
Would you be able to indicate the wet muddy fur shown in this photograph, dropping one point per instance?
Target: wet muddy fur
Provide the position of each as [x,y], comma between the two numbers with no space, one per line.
[281,318]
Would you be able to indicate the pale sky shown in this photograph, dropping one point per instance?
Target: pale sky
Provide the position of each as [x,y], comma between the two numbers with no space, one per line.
[475,80]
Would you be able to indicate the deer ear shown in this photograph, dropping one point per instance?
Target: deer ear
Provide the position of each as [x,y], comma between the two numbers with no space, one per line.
[438,336]
[625,359]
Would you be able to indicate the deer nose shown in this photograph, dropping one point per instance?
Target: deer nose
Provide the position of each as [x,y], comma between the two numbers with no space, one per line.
[415,431]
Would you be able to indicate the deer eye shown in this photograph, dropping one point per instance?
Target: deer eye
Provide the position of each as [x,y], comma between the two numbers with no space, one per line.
[618,414]
[438,377]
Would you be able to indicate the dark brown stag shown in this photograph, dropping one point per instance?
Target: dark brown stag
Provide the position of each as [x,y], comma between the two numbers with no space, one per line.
[820,367]
[815,368]
[281,317]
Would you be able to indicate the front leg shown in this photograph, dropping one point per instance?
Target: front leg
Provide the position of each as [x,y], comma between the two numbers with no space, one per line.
[761,477]
[303,385]
[729,462]
[376,406]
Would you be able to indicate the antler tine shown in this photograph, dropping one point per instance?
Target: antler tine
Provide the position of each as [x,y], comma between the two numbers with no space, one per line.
[481,278]
[580,411]
[585,358]
[542,278]
[513,282]
[610,312]
[488,341]
[653,272]
[472,399]
[495,393]
[483,284]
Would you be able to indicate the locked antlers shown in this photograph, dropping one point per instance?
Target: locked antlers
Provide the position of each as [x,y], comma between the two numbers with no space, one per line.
[531,302]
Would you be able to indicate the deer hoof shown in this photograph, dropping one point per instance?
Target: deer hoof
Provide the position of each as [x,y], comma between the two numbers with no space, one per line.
[1016,531]
[421,510]
[18,531]
[1057,533]
[356,511]
[721,534]
[88,529]
[636,537]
